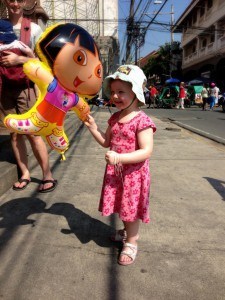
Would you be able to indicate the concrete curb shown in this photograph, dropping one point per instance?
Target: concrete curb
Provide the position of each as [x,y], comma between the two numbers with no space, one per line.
[200,132]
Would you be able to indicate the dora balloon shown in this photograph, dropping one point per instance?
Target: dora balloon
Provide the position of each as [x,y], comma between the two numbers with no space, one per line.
[69,72]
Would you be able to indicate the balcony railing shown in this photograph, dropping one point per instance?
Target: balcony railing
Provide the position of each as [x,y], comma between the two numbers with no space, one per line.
[202,53]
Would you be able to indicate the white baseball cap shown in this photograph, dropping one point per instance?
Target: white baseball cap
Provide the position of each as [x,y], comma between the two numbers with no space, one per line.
[129,73]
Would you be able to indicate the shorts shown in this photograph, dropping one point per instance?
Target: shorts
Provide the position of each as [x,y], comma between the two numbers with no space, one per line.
[16,101]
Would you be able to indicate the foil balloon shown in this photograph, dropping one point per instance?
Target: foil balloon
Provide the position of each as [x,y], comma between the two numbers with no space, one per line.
[68,73]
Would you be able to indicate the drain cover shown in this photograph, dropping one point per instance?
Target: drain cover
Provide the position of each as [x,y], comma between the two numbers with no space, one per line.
[172,129]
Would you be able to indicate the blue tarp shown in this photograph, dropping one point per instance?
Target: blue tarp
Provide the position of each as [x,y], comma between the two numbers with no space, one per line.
[172,80]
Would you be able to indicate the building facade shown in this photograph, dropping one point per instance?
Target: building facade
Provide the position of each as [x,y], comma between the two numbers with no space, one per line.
[202,25]
[98,17]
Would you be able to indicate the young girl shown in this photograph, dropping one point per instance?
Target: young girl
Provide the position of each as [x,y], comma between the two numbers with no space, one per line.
[130,137]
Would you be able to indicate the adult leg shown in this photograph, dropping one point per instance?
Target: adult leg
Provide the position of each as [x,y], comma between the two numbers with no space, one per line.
[20,153]
[149,102]
[182,103]
[212,102]
[40,151]
[132,229]
[178,103]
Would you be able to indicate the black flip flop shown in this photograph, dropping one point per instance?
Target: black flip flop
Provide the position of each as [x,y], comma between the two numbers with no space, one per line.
[50,189]
[17,188]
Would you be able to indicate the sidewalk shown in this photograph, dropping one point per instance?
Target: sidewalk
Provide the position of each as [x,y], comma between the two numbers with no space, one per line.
[56,246]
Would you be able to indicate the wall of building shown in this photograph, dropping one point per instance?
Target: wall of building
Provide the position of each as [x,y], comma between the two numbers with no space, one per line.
[98,17]
[203,38]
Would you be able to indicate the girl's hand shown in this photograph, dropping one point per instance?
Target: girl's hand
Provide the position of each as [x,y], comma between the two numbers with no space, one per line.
[112,157]
[90,122]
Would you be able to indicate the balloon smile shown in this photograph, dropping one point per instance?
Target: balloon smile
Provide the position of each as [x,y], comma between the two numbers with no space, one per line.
[77,81]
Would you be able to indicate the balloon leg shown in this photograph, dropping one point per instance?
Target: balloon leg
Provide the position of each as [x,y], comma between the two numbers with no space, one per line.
[58,140]
[31,125]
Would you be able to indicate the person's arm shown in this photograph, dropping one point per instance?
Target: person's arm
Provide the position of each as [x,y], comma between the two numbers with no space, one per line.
[12,59]
[26,50]
[145,142]
[102,138]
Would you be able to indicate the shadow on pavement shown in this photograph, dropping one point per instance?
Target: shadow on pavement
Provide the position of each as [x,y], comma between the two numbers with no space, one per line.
[82,225]
[218,185]
[17,212]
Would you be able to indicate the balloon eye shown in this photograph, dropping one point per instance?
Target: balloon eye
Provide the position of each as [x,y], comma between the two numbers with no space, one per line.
[98,71]
[80,58]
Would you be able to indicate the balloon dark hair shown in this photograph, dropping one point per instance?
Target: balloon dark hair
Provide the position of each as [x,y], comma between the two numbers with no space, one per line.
[51,44]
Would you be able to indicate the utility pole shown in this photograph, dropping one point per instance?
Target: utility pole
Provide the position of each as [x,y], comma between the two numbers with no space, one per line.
[136,35]
[172,23]
[130,26]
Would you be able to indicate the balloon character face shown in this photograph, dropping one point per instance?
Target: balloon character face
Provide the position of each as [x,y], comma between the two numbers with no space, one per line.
[81,72]
[74,58]
[69,71]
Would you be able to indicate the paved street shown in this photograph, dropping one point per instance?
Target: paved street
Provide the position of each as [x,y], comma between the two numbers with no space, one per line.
[206,123]
[55,246]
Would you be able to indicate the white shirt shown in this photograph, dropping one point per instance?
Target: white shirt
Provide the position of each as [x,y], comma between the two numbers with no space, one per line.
[14,45]
[36,31]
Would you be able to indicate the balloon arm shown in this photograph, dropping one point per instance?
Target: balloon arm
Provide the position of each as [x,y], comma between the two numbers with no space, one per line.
[82,109]
[38,72]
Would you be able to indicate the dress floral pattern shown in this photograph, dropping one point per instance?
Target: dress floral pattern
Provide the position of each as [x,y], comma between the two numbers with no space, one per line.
[126,187]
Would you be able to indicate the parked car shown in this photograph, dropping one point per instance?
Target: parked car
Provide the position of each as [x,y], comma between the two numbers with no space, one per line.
[223,106]
[221,101]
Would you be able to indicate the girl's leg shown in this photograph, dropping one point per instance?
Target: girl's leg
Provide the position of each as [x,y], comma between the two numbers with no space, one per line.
[132,229]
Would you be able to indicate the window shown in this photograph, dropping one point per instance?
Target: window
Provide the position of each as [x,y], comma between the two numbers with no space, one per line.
[193,48]
[212,38]
[209,4]
[194,17]
[202,9]
[204,43]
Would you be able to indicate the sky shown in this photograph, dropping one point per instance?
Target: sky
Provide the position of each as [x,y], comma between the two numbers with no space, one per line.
[156,35]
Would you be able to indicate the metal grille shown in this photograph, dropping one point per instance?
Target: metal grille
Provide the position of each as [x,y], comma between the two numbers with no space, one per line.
[82,12]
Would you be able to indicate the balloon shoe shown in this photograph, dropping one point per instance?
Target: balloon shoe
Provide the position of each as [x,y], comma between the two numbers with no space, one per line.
[30,125]
[58,140]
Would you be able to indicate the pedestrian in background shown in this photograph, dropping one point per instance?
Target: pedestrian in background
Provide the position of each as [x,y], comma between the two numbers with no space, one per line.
[205,96]
[182,95]
[129,135]
[153,95]
[147,96]
[217,95]
[212,94]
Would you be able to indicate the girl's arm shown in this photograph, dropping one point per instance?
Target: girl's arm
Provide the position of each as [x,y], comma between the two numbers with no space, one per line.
[101,137]
[145,142]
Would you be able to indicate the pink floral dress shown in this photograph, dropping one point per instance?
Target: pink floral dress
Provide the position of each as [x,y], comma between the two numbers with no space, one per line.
[126,190]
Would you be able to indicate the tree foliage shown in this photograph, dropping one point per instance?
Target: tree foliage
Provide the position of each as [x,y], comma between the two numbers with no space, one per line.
[159,65]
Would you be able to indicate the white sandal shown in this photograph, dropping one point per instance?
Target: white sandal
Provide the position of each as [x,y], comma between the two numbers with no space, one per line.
[130,252]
